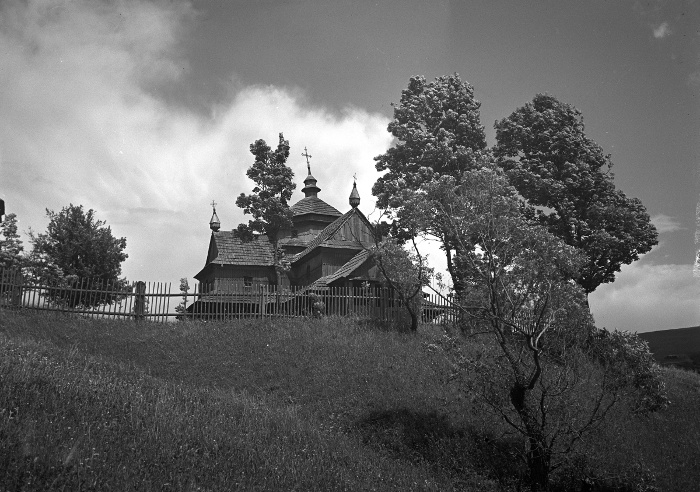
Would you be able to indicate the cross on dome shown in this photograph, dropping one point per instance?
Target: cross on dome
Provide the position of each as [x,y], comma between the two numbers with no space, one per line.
[306,154]
[214,223]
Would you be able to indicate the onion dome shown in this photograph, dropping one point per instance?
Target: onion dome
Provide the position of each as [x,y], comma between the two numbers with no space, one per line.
[354,196]
[214,223]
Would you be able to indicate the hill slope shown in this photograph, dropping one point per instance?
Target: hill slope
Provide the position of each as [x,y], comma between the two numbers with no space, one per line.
[281,405]
[679,347]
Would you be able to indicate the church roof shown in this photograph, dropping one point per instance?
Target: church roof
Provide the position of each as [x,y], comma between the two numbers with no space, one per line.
[313,205]
[327,233]
[353,264]
[232,250]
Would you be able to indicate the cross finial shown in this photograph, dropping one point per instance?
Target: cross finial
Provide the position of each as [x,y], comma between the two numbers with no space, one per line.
[354,177]
[306,154]
[214,223]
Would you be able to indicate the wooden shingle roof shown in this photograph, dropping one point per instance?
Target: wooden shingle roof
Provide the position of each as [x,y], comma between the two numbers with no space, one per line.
[353,264]
[326,235]
[314,205]
[232,250]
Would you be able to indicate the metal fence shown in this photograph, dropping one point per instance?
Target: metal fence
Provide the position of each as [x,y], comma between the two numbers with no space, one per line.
[155,301]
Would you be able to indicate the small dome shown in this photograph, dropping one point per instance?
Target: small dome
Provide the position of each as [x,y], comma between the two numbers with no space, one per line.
[310,189]
[214,223]
[354,196]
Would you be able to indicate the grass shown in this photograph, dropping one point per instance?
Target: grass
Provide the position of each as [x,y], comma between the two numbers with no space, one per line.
[325,404]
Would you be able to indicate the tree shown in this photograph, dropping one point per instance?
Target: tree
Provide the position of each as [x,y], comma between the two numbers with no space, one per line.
[181,309]
[554,166]
[541,364]
[11,258]
[438,133]
[405,272]
[10,244]
[77,247]
[268,204]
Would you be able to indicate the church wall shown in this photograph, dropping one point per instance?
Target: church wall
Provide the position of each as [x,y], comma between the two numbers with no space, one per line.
[311,224]
[320,263]
[369,270]
[232,277]
[334,259]
[308,270]
[355,230]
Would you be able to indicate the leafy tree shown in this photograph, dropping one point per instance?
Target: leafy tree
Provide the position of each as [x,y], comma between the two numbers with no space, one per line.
[268,204]
[11,258]
[318,307]
[405,272]
[438,133]
[10,244]
[537,360]
[77,247]
[181,308]
[554,166]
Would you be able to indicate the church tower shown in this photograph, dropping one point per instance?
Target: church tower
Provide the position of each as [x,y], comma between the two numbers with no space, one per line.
[310,214]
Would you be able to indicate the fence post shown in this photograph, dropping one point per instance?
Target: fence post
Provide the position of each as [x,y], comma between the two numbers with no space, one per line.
[262,301]
[140,302]
[17,282]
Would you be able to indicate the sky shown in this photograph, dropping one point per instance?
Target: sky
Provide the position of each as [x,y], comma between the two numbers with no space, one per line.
[145,110]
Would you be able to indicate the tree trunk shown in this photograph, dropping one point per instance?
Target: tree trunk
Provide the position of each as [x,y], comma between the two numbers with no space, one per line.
[278,275]
[275,261]
[538,460]
[538,455]
[414,318]
[457,283]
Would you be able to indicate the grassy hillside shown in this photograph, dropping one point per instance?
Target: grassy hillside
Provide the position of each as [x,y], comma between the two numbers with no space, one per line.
[278,405]
[679,347]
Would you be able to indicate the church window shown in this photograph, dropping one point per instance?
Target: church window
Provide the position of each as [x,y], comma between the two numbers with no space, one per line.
[248,281]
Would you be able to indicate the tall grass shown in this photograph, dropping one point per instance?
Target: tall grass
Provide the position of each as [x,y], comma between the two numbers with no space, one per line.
[662,448]
[327,404]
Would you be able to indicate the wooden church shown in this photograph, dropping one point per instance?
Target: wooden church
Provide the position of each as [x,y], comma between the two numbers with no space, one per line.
[325,248]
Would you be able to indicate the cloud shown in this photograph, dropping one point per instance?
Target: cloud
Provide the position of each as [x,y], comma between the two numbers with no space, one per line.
[694,78]
[696,267]
[648,297]
[665,224]
[83,123]
[662,30]
[643,297]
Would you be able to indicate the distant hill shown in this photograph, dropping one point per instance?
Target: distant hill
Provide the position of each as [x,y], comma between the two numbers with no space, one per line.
[679,347]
